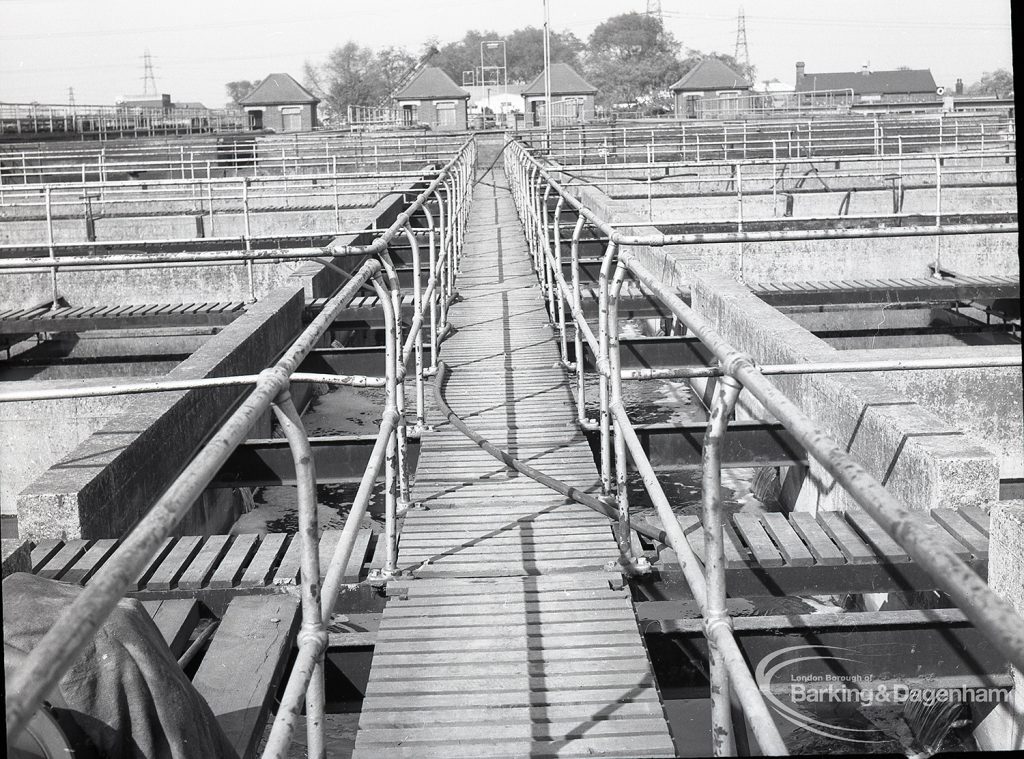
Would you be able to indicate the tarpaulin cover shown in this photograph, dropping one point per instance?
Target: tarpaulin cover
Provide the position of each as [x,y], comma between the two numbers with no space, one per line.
[126,691]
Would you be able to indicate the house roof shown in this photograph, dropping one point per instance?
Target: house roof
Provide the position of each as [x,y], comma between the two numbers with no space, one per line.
[564,81]
[710,74]
[431,84]
[870,83]
[278,88]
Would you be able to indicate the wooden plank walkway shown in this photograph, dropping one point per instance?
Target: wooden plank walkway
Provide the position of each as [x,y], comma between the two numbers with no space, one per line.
[520,643]
[84,318]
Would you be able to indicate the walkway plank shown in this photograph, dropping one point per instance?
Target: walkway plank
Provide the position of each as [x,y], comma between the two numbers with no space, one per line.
[504,635]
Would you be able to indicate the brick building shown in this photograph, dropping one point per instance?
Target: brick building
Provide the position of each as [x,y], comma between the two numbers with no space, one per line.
[432,98]
[281,104]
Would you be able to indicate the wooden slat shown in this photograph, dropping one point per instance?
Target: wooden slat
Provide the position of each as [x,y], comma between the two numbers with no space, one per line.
[875,536]
[976,517]
[203,564]
[263,563]
[753,534]
[91,560]
[789,544]
[243,665]
[153,564]
[69,553]
[229,570]
[853,548]
[177,561]
[823,550]
[963,531]
[44,551]
[358,557]
[288,571]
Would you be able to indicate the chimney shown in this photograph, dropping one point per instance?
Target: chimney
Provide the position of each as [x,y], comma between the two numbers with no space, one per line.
[864,69]
[799,71]
[959,86]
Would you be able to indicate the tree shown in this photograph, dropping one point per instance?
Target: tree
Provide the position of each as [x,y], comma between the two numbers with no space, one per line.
[631,58]
[524,51]
[998,83]
[356,75]
[238,90]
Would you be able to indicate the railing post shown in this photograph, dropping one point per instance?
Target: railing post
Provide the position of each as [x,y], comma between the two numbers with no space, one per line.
[54,295]
[437,276]
[581,405]
[557,267]
[391,358]
[937,266]
[334,180]
[248,241]
[312,632]
[401,433]
[716,612]
[615,375]
[417,306]
[603,368]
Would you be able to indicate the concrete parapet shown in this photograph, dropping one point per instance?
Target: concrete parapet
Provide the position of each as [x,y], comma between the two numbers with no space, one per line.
[34,434]
[105,484]
[984,402]
[109,481]
[923,459]
[1002,729]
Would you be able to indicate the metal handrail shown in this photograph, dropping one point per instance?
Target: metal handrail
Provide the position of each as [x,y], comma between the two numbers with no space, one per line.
[532,186]
[62,643]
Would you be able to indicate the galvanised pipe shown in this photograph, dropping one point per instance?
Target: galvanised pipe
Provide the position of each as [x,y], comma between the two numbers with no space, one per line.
[992,615]
[661,240]
[831,367]
[432,283]
[603,377]
[716,613]
[401,433]
[312,633]
[615,369]
[60,646]
[545,252]
[557,266]
[415,331]
[576,307]
[391,402]
[163,386]
[747,691]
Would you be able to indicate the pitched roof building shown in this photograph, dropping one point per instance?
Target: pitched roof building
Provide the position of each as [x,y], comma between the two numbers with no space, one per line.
[564,81]
[710,75]
[431,84]
[898,84]
[432,98]
[280,104]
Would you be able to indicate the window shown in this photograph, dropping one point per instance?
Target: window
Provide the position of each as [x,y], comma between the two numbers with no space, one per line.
[446,114]
[291,119]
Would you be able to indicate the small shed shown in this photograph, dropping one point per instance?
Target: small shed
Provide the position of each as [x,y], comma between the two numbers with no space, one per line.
[281,104]
[709,79]
[432,98]
[572,97]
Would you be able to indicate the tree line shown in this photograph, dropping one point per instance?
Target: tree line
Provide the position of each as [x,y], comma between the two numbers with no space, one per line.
[630,58]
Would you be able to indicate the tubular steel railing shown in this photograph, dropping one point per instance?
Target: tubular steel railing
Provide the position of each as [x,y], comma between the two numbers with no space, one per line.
[790,138]
[534,187]
[58,649]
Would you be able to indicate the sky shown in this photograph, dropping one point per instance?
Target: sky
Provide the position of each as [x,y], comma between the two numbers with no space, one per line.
[97,46]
